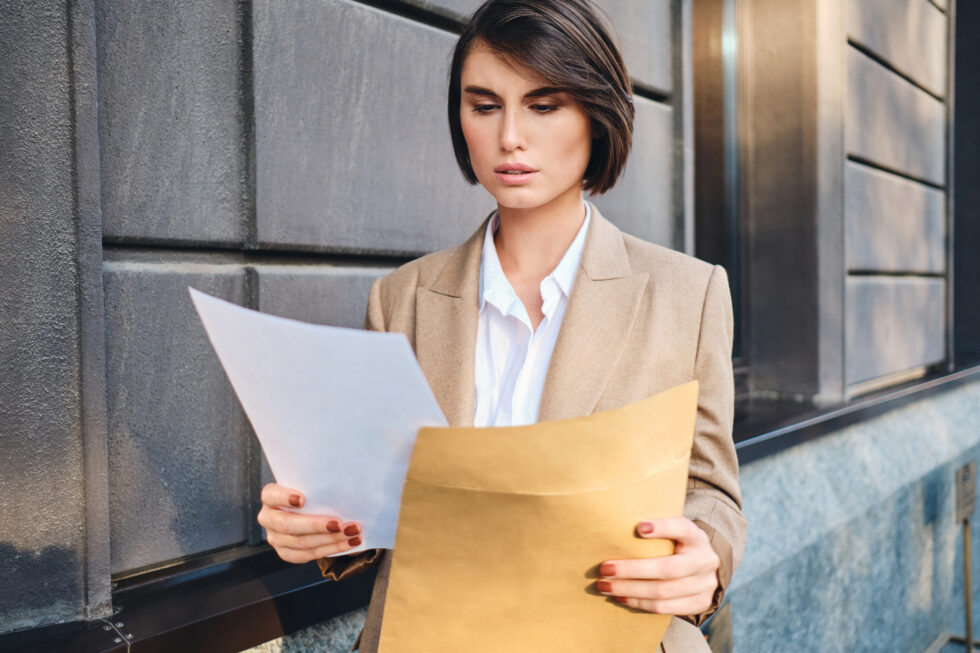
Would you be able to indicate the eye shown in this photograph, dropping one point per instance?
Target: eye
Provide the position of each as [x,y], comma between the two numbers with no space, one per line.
[544,108]
[484,108]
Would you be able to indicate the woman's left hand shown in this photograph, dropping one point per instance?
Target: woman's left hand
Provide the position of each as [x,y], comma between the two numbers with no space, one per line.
[680,584]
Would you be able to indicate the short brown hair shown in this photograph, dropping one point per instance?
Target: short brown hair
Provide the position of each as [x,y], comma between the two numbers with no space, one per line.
[565,42]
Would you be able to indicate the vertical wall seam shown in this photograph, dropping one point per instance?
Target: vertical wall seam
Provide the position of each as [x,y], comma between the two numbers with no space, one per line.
[247,108]
[87,218]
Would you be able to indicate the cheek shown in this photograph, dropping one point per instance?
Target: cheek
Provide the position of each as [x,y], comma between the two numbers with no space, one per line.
[476,139]
[575,139]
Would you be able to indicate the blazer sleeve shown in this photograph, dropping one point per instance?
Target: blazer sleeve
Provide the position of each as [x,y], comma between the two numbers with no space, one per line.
[341,567]
[714,500]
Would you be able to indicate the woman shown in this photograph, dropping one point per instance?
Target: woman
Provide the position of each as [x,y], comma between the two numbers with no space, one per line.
[548,311]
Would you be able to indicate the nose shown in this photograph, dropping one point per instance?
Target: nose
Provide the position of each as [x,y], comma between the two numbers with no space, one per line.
[512,131]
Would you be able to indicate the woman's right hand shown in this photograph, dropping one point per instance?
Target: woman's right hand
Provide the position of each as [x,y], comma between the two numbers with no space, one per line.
[298,537]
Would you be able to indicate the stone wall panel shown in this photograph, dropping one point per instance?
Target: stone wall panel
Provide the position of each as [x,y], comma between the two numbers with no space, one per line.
[893,224]
[352,148]
[893,324]
[909,34]
[178,452]
[892,123]
[171,121]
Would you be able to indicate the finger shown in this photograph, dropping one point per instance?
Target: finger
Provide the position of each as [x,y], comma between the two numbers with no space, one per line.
[304,542]
[680,607]
[278,496]
[291,523]
[680,529]
[679,565]
[299,556]
[661,590]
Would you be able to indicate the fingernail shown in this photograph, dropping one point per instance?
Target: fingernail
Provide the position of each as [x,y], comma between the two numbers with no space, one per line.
[607,569]
[294,500]
[333,526]
[645,528]
[603,586]
[619,599]
[352,529]
[354,541]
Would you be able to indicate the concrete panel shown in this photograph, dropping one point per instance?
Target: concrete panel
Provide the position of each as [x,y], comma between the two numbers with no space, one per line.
[893,324]
[352,147]
[893,224]
[178,454]
[892,123]
[641,203]
[42,481]
[171,120]
[642,30]
[909,34]
[320,294]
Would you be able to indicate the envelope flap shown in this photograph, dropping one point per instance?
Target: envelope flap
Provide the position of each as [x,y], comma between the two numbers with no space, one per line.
[574,455]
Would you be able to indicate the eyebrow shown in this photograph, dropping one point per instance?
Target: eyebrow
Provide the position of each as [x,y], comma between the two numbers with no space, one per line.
[538,92]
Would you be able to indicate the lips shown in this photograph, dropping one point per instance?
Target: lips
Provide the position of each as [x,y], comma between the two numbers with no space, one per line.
[515,173]
[513,168]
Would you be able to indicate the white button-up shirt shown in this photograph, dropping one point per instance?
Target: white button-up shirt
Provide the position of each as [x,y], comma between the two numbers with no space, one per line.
[511,356]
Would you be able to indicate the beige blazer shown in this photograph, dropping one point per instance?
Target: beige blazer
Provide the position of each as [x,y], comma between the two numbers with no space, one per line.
[640,319]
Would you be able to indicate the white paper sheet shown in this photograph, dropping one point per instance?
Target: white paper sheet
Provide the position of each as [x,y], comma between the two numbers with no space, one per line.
[336,410]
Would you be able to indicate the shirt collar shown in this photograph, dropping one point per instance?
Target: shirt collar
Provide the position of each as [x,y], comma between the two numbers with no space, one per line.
[494,286]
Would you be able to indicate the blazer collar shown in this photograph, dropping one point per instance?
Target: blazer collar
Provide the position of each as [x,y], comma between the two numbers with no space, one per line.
[601,310]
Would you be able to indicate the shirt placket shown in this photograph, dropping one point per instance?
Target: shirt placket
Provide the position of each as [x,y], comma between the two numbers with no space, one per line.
[520,398]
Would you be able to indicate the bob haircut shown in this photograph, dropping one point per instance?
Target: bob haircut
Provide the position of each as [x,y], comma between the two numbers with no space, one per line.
[566,43]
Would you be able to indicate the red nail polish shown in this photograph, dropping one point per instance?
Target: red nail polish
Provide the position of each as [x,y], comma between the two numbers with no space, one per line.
[294,500]
[619,599]
[352,529]
[354,541]
[645,528]
[333,526]
[607,569]
[603,586]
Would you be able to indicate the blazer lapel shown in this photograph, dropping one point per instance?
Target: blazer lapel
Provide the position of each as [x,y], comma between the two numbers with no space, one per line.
[602,308]
[447,315]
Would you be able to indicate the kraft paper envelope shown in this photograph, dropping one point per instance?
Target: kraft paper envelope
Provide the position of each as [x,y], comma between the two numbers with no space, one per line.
[501,530]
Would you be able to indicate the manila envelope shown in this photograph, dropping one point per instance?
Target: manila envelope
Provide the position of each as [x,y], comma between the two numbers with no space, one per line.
[501,530]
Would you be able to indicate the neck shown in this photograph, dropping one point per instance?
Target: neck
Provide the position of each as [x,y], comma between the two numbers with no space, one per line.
[531,242]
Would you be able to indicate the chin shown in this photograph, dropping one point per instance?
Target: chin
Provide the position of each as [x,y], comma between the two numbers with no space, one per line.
[519,198]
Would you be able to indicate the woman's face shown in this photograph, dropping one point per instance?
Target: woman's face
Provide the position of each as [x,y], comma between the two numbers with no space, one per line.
[529,144]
